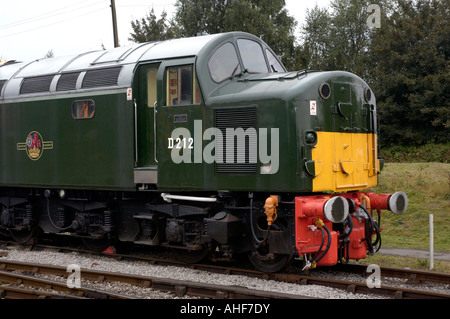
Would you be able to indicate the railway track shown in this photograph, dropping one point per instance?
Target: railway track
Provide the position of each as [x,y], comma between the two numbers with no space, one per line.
[27,293]
[33,284]
[413,276]
[350,286]
[177,287]
[208,291]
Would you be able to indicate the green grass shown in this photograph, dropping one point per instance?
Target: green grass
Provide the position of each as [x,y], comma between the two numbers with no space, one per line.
[406,262]
[428,188]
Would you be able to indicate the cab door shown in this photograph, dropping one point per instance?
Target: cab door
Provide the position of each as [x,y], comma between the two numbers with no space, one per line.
[179,127]
[145,102]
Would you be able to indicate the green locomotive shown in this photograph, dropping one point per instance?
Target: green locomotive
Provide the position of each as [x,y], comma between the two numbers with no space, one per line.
[204,145]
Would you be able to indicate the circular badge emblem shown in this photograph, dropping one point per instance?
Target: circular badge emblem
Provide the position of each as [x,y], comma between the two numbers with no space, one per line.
[34,145]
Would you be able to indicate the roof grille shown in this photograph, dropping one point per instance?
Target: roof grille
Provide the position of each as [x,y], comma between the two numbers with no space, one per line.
[36,84]
[101,77]
[234,118]
[67,82]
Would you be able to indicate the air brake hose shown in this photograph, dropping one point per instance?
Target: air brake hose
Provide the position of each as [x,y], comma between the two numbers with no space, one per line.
[259,242]
[377,225]
[368,234]
[349,229]
[321,245]
[373,226]
[328,244]
[345,241]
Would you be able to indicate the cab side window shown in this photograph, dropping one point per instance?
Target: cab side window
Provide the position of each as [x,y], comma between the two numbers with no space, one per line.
[151,87]
[181,86]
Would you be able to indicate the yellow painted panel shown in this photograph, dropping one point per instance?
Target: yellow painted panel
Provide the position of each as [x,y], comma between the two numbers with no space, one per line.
[345,161]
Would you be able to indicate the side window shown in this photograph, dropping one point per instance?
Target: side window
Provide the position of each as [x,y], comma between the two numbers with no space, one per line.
[151,87]
[83,109]
[252,56]
[181,86]
[275,65]
[224,63]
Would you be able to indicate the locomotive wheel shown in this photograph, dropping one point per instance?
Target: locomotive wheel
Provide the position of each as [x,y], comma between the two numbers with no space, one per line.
[190,256]
[96,245]
[23,236]
[269,263]
[261,257]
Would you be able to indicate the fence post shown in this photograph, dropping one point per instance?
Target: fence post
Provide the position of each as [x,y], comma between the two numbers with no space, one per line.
[431,243]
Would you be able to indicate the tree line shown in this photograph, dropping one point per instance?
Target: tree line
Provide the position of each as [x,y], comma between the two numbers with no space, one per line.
[399,47]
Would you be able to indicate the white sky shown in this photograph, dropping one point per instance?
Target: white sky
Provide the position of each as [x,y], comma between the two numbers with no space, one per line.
[30,28]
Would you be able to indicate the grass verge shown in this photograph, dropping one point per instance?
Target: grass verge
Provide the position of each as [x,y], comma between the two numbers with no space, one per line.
[406,262]
[428,188]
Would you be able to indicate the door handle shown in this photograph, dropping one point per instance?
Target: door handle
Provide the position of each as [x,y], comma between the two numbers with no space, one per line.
[155,111]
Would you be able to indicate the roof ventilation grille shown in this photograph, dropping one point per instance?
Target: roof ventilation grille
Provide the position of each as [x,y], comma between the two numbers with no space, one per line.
[36,84]
[67,82]
[101,77]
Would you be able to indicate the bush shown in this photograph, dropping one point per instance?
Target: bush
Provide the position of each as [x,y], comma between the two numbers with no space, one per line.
[439,153]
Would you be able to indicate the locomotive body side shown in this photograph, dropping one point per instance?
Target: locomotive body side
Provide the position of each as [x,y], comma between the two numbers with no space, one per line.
[70,152]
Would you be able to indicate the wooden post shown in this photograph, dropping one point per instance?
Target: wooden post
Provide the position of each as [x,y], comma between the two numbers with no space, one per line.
[114,19]
[431,243]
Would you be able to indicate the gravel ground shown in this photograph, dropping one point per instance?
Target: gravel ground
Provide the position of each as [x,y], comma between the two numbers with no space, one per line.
[119,288]
[142,268]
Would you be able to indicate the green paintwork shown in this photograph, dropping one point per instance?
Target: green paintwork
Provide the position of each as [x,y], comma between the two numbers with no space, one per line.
[283,104]
[88,153]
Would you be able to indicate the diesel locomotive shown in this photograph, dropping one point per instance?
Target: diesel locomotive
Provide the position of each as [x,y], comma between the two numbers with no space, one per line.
[204,145]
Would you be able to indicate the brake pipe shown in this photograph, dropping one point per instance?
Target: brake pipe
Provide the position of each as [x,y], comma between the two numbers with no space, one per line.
[328,244]
[168,198]
[373,226]
[258,241]
[312,262]
[349,229]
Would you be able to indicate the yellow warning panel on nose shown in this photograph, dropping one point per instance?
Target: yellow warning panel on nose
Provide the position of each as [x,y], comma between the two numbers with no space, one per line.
[345,161]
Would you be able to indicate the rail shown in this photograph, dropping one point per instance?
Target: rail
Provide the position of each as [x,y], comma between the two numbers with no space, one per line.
[413,276]
[178,287]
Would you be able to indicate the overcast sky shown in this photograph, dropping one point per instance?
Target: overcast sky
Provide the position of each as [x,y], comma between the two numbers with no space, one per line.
[31,28]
